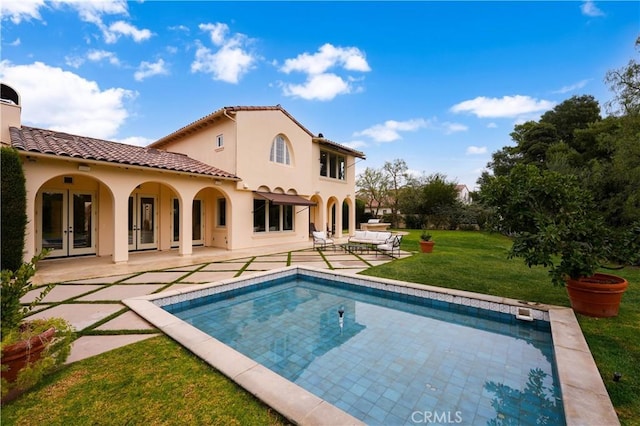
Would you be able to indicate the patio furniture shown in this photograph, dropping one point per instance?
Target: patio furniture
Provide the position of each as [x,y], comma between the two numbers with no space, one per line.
[391,247]
[372,238]
[355,248]
[321,241]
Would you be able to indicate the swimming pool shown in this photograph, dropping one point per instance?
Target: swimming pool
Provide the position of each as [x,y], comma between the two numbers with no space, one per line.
[400,354]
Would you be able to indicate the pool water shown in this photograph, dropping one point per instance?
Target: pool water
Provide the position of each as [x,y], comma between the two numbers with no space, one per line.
[387,359]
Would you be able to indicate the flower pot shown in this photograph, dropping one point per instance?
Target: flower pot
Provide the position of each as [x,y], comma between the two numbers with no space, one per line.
[596,296]
[20,354]
[426,246]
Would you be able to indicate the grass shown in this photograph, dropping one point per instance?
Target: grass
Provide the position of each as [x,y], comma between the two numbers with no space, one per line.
[153,382]
[158,382]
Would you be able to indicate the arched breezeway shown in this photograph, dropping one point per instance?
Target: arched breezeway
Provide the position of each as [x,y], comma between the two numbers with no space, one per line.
[114,211]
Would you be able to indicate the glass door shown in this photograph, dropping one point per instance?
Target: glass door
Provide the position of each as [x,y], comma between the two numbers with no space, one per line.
[53,223]
[68,223]
[81,218]
[197,223]
[142,222]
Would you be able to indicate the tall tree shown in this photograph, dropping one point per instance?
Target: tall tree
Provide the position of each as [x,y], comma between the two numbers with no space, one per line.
[373,185]
[577,112]
[397,177]
[625,84]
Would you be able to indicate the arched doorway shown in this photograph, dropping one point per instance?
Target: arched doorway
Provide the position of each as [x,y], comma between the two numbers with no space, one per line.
[67,215]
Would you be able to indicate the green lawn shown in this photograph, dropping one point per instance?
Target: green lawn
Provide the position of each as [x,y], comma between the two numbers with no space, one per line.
[158,382]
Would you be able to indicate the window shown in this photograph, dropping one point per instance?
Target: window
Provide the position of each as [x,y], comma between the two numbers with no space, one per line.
[269,217]
[280,151]
[219,141]
[222,212]
[332,165]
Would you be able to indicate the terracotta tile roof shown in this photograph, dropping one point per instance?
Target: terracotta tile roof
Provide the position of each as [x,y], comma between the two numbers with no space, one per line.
[61,144]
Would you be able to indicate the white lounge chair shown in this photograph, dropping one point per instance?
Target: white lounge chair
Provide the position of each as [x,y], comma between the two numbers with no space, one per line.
[321,240]
[391,247]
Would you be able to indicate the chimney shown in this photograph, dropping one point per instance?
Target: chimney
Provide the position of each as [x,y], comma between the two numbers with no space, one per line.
[10,110]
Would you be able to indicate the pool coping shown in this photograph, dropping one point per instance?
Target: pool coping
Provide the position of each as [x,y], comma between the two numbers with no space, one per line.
[584,395]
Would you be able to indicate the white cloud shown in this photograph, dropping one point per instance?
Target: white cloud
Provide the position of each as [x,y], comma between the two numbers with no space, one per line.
[320,84]
[217,32]
[492,125]
[148,69]
[21,10]
[14,43]
[476,150]
[90,11]
[121,28]
[355,144]
[589,8]
[390,130]
[231,61]
[96,55]
[135,140]
[327,57]
[450,128]
[61,100]
[507,106]
[322,87]
[572,87]
[74,61]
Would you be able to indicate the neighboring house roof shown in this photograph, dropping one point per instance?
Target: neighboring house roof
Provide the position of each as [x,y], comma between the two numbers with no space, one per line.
[61,144]
[228,111]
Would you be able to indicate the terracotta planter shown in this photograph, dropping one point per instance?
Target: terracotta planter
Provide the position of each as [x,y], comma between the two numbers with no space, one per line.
[596,296]
[25,352]
[426,246]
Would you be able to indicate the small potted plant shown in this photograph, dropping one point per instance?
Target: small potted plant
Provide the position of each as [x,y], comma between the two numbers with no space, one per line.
[426,243]
[554,224]
[30,348]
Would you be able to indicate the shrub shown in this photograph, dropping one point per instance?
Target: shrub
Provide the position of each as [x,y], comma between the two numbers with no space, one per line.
[13,209]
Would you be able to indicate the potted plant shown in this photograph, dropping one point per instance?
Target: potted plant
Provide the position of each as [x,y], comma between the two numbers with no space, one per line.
[426,243]
[30,349]
[553,223]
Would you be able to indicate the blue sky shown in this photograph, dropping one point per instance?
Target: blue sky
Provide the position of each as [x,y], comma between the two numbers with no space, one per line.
[438,84]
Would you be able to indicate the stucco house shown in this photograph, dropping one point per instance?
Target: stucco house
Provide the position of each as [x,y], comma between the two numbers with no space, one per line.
[240,177]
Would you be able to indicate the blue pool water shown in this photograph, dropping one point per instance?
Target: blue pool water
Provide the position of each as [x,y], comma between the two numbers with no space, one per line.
[391,359]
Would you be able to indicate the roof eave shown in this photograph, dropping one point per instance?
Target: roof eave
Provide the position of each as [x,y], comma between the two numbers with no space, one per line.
[336,146]
[81,160]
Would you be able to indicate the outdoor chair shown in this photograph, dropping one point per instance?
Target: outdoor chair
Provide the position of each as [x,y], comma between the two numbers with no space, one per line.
[391,247]
[321,241]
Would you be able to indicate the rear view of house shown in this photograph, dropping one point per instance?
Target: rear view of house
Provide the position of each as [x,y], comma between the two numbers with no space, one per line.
[240,177]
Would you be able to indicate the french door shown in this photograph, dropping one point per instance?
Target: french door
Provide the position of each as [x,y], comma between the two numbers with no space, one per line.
[67,225]
[197,223]
[142,222]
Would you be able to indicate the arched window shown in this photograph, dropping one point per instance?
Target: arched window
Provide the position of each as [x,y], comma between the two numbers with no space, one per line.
[280,151]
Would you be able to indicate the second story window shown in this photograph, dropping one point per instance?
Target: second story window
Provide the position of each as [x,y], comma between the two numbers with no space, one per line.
[332,165]
[280,151]
[219,141]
